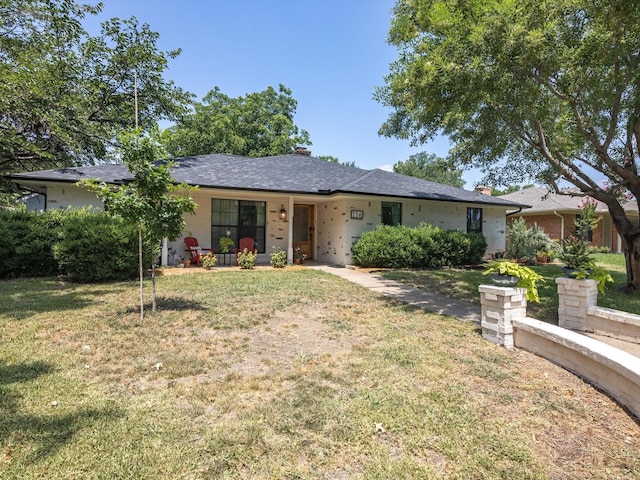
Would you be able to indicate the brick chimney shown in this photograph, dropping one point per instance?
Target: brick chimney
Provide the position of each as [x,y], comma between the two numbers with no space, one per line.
[483,189]
[302,151]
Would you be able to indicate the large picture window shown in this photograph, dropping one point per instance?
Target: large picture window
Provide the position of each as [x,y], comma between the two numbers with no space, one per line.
[241,218]
[391,213]
[474,220]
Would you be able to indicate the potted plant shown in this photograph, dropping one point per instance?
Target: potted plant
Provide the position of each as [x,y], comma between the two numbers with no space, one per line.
[542,256]
[298,256]
[225,243]
[575,255]
[516,275]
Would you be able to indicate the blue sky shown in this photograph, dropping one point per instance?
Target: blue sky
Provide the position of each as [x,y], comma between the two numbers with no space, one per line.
[330,53]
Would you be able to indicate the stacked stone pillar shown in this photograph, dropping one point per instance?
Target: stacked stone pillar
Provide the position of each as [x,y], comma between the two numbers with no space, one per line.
[574,299]
[500,306]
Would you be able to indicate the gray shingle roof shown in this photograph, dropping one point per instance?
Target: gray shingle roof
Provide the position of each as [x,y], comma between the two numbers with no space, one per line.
[282,173]
[544,201]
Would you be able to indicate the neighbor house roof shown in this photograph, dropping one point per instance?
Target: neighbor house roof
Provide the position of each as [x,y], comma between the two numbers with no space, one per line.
[282,173]
[542,200]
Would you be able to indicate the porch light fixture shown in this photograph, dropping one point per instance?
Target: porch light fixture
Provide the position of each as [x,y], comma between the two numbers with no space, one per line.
[283,213]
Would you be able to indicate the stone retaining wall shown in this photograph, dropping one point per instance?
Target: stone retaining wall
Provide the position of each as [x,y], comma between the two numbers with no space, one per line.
[504,321]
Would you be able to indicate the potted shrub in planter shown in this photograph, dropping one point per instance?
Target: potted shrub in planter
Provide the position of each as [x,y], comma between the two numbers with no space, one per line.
[576,257]
[506,273]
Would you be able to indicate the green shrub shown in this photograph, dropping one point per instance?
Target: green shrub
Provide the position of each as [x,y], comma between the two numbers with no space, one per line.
[477,248]
[95,247]
[246,259]
[523,242]
[208,261]
[27,237]
[387,246]
[278,258]
[425,246]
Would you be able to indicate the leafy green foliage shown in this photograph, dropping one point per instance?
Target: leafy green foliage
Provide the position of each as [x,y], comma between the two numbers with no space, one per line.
[527,277]
[82,245]
[65,95]
[208,261]
[96,247]
[523,242]
[257,125]
[246,259]
[278,258]
[425,246]
[27,238]
[430,167]
[527,91]
[151,201]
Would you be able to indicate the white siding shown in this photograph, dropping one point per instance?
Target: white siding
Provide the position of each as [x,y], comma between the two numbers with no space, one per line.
[69,195]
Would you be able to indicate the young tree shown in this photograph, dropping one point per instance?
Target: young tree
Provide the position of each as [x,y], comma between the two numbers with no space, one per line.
[257,125]
[64,95]
[430,167]
[531,90]
[151,200]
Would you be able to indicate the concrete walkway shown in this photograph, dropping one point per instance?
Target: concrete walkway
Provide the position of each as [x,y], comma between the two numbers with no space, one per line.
[434,302]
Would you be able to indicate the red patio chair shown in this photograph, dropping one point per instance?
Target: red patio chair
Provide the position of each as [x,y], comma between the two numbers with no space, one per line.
[245,242]
[194,250]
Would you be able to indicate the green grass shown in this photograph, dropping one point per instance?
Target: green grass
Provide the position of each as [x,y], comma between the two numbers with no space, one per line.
[282,374]
[463,284]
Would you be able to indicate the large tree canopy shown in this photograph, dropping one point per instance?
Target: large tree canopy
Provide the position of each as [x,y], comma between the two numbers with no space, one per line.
[256,125]
[543,90]
[430,167]
[65,95]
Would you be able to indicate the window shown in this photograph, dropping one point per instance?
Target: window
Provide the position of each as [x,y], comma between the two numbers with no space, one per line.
[241,218]
[474,220]
[391,213]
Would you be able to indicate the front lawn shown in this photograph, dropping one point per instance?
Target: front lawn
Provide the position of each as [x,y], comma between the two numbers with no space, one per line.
[462,283]
[282,374]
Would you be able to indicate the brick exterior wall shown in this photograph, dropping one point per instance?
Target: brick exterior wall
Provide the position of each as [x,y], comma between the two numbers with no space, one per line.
[552,226]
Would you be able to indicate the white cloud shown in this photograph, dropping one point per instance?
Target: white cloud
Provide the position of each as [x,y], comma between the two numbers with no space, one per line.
[386,167]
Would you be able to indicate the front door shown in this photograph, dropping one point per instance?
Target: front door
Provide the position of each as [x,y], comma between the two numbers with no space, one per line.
[303,229]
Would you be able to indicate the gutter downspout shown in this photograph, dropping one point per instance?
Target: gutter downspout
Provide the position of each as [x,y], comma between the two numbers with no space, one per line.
[515,212]
[555,212]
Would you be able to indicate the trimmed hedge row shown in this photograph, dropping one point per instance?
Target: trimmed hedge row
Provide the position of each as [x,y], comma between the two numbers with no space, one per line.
[424,246]
[82,245]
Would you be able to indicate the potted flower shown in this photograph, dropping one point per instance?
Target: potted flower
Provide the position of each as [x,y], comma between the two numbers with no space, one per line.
[225,243]
[298,256]
[514,274]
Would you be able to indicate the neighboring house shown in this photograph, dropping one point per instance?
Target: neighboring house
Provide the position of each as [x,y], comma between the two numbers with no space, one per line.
[34,202]
[555,214]
[294,201]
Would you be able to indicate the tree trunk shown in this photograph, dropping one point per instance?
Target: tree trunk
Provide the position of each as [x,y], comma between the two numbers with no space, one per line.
[631,249]
[140,268]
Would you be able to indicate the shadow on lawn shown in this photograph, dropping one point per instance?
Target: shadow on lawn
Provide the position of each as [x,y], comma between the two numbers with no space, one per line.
[171,304]
[46,433]
[21,299]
